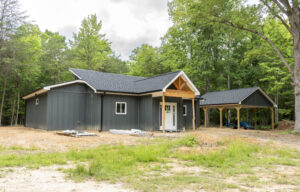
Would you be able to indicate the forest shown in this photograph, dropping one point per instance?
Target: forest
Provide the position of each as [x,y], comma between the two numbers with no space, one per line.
[220,45]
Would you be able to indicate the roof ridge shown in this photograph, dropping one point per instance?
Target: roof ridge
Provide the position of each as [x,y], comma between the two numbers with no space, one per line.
[146,78]
[108,73]
[232,89]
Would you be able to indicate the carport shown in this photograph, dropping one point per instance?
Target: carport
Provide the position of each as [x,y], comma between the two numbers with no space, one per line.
[253,97]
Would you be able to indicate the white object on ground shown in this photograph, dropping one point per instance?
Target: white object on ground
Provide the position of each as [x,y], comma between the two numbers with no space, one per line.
[75,133]
[133,132]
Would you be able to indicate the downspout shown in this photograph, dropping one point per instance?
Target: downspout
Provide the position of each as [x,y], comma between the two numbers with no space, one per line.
[25,113]
[101,115]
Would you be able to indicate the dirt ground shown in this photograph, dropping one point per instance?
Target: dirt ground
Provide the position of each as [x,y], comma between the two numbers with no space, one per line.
[275,137]
[50,141]
[50,179]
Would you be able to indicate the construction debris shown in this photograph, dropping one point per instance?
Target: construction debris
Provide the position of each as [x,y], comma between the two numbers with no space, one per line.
[75,133]
[132,132]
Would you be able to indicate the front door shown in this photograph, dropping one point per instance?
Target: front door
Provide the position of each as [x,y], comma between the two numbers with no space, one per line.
[171,116]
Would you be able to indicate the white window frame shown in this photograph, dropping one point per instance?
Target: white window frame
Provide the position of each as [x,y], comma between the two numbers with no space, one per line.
[184,110]
[125,113]
[37,101]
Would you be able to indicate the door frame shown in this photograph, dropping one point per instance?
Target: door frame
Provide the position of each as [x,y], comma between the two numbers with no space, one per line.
[160,112]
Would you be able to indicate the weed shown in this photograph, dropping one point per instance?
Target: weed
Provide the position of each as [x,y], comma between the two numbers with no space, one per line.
[188,141]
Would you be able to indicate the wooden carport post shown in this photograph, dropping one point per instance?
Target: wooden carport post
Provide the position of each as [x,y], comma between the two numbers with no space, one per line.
[205,117]
[238,116]
[272,117]
[221,116]
[193,103]
[164,113]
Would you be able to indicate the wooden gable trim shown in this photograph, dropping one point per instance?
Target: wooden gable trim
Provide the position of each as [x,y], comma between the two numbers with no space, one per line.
[179,93]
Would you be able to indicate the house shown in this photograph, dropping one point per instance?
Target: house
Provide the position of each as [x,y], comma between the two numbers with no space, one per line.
[102,101]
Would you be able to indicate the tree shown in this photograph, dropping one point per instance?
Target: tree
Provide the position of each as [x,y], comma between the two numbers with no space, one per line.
[242,16]
[145,61]
[10,19]
[90,48]
[273,78]
[53,59]
[115,65]
[27,49]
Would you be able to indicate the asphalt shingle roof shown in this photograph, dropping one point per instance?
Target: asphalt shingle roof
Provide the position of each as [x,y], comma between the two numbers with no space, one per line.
[123,83]
[233,96]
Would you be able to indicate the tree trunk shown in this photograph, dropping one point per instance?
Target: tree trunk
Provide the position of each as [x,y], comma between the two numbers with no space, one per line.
[13,106]
[297,78]
[3,98]
[276,108]
[18,108]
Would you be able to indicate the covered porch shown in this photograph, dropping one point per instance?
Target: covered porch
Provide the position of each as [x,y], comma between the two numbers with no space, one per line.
[181,88]
[248,98]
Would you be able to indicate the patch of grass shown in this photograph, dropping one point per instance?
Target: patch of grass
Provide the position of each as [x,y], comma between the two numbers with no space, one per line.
[188,141]
[20,148]
[239,157]
[112,162]
[144,166]
[31,161]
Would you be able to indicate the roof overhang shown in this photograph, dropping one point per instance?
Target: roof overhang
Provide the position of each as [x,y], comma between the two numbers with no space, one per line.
[190,84]
[47,88]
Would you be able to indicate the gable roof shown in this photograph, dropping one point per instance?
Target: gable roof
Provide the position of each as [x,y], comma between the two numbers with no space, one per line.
[111,82]
[234,96]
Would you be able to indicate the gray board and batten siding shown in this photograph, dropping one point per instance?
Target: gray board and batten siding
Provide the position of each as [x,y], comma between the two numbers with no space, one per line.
[77,107]
[69,107]
[89,102]
[36,114]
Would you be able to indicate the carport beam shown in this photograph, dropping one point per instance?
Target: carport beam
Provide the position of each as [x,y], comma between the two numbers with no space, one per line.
[221,117]
[238,116]
[272,117]
[205,117]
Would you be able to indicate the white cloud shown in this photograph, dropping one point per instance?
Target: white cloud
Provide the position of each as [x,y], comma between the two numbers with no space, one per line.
[127,23]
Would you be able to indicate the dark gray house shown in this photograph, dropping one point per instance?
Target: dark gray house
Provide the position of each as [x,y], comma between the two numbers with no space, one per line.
[103,101]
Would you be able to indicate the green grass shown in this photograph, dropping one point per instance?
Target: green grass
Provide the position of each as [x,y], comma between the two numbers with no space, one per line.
[144,166]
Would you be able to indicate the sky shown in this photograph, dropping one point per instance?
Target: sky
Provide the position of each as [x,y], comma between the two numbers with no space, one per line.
[126,23]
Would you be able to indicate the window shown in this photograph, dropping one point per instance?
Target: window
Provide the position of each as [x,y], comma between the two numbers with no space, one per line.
[37,101]
[121,108]
[184,110]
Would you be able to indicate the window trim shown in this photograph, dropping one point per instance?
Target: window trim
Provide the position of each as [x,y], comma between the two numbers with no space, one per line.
[116,108]
[184,110]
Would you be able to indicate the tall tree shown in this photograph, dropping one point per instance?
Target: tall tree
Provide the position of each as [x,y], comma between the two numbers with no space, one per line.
[145,61]
[90,48]
[27,49]
[11,17]
[53,59]
[115,65]
[242,16]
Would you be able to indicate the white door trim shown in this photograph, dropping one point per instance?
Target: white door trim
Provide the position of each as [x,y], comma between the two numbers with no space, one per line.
[168,127]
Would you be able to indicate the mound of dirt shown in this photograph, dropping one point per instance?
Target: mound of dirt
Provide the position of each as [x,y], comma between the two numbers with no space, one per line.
[285,124]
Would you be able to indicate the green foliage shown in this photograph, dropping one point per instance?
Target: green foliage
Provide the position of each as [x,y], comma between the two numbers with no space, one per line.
[207,40]
[90,49]
[188,141]
[145,61]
